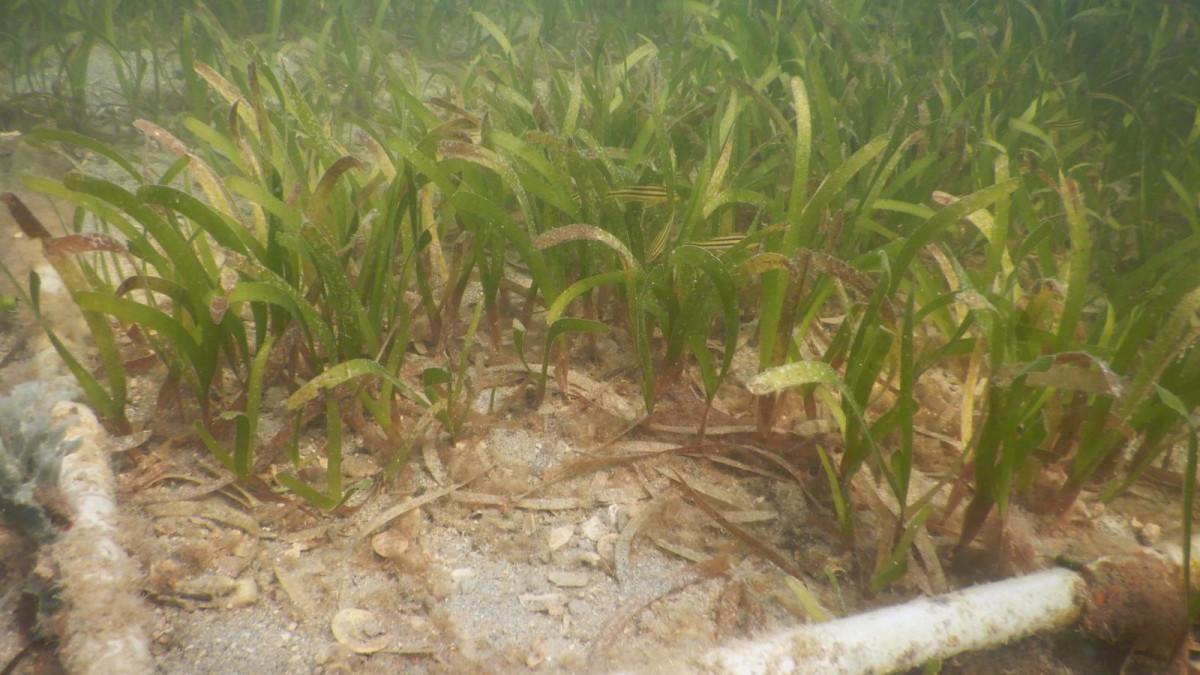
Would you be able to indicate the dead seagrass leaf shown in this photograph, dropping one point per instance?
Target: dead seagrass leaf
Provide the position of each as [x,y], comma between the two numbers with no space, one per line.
[625,543]
[29,223]
[360,631]
[82,243]
[161,136]
[211,509]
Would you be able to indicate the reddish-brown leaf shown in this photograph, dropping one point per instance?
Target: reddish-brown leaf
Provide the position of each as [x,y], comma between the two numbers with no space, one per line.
[29,223]
[82,243]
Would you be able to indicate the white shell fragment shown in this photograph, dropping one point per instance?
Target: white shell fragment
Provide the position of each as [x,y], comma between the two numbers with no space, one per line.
[360,631]
[554,604]
[560,536]
[565,579]
[594,527]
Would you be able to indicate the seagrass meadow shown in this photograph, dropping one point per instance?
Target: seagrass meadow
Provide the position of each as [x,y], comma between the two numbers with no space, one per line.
[932,263]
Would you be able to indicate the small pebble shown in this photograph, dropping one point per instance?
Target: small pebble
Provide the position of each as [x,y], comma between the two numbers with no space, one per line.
[245,593]
[1149,534]
[463,578]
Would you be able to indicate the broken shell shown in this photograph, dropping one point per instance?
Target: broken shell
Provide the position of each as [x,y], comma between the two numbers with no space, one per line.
[359,631]
[206,586]
[607,546]
[360,466]
[389,544]
[594,527]
[244,594]
[564,579]
[553,604]
[559,536]
[463,578]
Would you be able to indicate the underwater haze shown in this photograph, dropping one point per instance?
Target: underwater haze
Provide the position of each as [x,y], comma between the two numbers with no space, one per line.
[853,195]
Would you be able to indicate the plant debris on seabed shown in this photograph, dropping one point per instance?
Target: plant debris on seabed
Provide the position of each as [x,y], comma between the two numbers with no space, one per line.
[539,334]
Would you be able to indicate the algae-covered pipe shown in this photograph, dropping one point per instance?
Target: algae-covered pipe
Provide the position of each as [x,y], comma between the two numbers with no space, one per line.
[1134,600]
[909,635]
[103,618]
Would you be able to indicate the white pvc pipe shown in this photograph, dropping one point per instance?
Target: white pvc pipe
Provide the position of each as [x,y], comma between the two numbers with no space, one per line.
[909,635]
